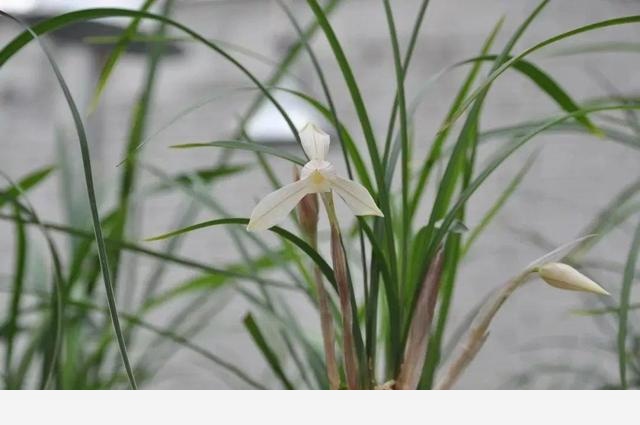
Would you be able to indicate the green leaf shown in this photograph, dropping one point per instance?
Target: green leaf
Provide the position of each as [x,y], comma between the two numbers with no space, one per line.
[312,253]
[66,19]
[441,137]
[458,171]
[28,182]
[549,86]
[506,153]
[623,313]
[54,332]
[354,90]
[405,67]
[10,328]
[609,133]
[281,70]
[349,149]
[266,350]
[204,175]
[231,144]
[405,223]
[139,119]
[117,51]
[178,339]
[497,206]
[129,246]
[7,52]
[625,20]
[211,282]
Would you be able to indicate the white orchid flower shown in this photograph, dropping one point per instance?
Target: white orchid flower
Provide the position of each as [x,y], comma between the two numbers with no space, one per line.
[318,176]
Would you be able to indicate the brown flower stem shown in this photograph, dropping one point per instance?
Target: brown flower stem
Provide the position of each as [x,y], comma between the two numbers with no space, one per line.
[307,211]
[340,270]
[479,332]
[326,323]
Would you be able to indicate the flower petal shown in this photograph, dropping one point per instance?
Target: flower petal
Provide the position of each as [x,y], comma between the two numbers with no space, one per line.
[315,142]
[355,196]
[275,206]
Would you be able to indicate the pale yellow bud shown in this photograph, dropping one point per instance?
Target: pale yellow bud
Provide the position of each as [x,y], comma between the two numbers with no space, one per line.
[563,276]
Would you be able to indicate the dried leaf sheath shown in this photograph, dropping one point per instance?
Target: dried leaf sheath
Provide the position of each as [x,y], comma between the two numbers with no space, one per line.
[340,271]
[416,348]
[342,279]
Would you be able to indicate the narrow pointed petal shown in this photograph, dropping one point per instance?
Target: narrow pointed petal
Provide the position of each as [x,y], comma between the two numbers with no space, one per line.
[355,196]
[563,276]
[315,142]
[274,207]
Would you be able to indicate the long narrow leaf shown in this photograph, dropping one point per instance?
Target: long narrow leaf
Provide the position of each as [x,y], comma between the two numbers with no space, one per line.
[267,352]
[254,147]
[623,312]
[313,254]
[86,161]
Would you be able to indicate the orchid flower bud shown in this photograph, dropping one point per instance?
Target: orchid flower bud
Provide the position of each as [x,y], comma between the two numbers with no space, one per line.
[563,276]
[307,210]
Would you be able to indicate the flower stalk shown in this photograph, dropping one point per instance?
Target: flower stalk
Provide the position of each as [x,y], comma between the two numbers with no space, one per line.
[479,332]
[344,293]
[319,176]
[557,275]
[307,211]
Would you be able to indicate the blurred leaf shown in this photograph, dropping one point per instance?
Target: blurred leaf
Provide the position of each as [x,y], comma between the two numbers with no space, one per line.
[11,327]
[566,127]
[66,19]
[623,312]
[186,262]
[53,338]
[211,282]
[313,254]
[127,180]
[505,153]
[597,47]
[117,51]
[437,144]
[280,153]
[177,339]
[199,283]
[205,175]
[497,206]
[625,20]
[28,182]
[265,349]
[547,85]
[606,310]
[29,34]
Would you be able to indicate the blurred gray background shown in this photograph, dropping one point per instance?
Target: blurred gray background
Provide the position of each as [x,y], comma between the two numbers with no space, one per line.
[572,179]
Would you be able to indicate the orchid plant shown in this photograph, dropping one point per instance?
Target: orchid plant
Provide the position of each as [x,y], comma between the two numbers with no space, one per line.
[318,176]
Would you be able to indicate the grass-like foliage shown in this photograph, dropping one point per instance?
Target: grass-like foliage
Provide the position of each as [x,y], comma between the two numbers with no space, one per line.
[382,295]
